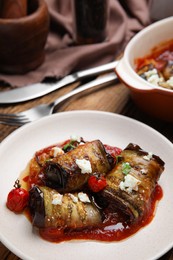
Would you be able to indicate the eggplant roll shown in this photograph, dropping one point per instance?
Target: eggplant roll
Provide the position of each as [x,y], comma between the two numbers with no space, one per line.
[51,209]
[70,171]
[131,182]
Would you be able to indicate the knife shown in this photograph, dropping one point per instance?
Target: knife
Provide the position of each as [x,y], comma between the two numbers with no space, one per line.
[36,90]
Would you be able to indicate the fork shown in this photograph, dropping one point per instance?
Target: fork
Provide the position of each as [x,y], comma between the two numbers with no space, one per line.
[37,112]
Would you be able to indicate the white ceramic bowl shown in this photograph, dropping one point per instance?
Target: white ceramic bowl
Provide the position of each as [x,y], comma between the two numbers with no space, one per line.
[156,101]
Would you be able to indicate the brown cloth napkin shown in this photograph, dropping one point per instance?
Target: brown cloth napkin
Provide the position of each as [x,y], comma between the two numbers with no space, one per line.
[126,18]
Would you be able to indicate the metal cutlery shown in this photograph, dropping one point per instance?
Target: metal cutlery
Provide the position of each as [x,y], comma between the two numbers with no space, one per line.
[42,110]
[40,89]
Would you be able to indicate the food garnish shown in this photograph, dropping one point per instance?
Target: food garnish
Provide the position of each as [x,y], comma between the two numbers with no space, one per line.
[126,167]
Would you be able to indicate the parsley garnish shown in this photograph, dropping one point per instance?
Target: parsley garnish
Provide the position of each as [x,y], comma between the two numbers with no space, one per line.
[69,146]
[126,168]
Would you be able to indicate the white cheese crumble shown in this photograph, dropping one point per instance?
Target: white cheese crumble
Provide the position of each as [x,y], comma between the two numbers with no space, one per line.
[57,199]
[150,73]
[57,151]
[148,156]
[84,165]
[130,183]
[73,197]
[83,197]
[75,138]
[81,143]
[153,77]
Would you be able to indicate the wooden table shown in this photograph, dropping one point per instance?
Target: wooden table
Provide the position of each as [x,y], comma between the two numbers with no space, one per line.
[113,98]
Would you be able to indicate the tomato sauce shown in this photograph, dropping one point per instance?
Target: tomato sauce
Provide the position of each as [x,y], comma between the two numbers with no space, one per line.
[158,56]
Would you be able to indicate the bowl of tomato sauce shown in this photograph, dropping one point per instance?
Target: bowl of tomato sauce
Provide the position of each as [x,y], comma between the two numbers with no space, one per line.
[147,69]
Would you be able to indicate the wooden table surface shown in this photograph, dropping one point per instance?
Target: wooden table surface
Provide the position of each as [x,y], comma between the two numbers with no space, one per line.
[113,98]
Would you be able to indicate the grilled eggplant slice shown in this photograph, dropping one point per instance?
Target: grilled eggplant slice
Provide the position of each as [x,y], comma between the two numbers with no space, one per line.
[51,209]
[131,182]
[64,174]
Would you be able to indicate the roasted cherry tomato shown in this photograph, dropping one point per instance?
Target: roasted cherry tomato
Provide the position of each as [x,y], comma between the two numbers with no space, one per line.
[17,198]
[97,183]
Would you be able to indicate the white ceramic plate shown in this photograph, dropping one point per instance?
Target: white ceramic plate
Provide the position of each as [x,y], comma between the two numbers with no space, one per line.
[17,149]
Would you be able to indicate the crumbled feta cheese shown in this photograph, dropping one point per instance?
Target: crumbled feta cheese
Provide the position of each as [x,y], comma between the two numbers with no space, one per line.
[75,138]
[81,143]
[57,151]
[150,73]
[153,77]
[73,197]
[148,156]
[170,81]
[57,199]
[130,183]
[83,197]
[84,165]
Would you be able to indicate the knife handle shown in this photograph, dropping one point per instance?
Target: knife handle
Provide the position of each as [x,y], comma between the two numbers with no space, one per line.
[12,9]
[96,70]
[40,89]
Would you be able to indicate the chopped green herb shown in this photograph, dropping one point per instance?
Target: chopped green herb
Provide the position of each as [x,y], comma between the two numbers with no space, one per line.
[69,146]
[126,168]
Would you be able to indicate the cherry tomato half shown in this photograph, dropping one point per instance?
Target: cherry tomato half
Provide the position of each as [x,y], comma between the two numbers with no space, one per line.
[17,199]
[97,183]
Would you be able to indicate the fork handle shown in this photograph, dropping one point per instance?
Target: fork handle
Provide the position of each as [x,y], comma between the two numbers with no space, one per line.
[109,78]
